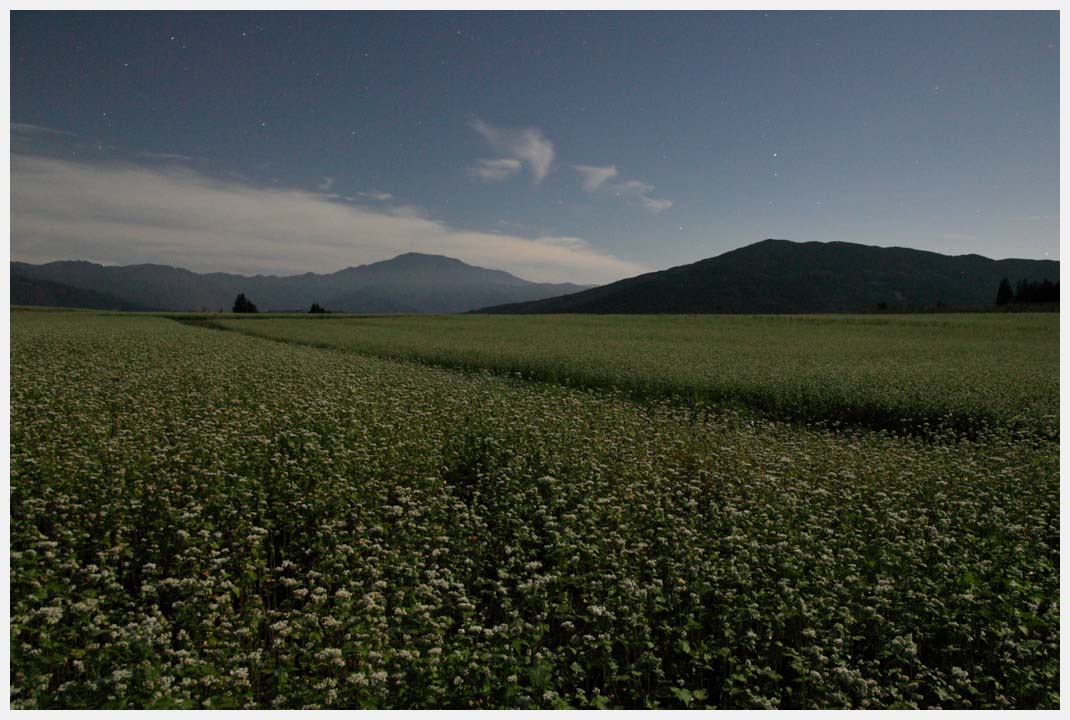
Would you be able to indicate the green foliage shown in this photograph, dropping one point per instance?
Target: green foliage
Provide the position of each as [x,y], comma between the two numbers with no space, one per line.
[337,530]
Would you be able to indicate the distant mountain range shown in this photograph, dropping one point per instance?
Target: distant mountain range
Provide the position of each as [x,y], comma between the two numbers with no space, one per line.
[409,283]
[772,276]
[779,276]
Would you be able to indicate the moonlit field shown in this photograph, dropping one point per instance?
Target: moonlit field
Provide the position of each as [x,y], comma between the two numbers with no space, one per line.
[541,359]
[204,519]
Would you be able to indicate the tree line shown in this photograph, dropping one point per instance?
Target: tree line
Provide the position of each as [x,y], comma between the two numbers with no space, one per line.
[1043,291]
[243,304]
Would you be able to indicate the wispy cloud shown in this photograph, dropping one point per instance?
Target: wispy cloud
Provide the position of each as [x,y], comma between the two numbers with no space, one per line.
[639,192]
[165,156]
[529,147]
[496,169]
[122,214]
[593,177]
[327,184]
[28,129]
[376,195]
[526,145]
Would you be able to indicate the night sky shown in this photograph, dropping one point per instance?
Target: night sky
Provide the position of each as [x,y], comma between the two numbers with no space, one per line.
[571,146]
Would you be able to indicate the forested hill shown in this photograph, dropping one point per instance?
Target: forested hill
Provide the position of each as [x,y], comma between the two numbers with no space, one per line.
[780,276]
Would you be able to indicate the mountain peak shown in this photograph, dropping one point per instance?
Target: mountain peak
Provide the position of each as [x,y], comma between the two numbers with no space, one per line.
[415,254]
[410,283]
[418,258]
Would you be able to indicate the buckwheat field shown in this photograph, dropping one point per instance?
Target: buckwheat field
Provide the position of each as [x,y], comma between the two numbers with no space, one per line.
[206,519]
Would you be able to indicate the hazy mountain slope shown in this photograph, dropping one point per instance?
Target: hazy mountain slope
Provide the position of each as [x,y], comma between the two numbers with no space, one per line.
[409,283]
[779,276]
[30,291]
[157,286]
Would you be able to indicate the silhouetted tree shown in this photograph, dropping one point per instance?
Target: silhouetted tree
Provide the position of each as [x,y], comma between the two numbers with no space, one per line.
[243,304]
[316,308]
[1005,294]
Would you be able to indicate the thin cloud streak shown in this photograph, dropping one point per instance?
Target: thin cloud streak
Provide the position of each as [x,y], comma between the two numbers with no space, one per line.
[165,156]
[125,214]
[527,145]
[495,170]
[30,129]
[376,195]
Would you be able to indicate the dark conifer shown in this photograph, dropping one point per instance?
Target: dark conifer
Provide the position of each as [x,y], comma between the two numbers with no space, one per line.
[243,304]
[1005,294]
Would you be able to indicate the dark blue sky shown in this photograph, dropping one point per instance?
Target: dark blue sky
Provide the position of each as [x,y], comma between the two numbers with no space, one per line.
[699,132]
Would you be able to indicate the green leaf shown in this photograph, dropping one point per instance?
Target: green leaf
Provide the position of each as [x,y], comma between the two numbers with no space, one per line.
[683,695]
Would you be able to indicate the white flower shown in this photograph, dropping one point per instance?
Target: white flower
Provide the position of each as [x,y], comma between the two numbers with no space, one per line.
[51,614]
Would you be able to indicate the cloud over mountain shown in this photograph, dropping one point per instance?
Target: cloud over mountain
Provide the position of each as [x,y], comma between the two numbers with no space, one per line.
[126,213]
